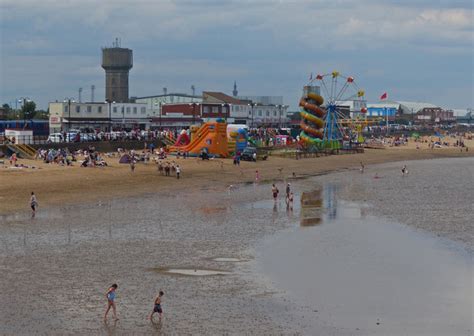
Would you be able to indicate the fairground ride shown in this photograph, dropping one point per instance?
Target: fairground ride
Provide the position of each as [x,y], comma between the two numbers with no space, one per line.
[322,123]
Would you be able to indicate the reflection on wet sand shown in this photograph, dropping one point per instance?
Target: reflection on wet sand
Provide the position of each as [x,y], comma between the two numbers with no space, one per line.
[314,205]
[311,208]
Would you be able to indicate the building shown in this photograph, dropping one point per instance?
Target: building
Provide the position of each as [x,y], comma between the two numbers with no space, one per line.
[435,115]
[382,110]
[116,62]
[234,110]
[98,116]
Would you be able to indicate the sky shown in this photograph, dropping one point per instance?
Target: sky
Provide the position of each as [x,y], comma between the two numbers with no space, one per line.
[413,50]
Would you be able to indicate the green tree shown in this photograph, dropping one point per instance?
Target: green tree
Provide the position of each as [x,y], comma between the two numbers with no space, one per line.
[28,110]
[42,114]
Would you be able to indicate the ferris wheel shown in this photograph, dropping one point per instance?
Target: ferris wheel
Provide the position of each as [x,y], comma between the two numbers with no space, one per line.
[339,91]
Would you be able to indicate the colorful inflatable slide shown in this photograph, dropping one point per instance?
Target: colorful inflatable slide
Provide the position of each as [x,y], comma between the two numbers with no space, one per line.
[312,122]
[211,137]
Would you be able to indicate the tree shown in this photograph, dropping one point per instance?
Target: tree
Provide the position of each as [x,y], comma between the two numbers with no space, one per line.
[28,110]
[42,114]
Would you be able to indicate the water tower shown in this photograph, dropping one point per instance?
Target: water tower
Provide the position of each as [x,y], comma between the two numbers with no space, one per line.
[117,62]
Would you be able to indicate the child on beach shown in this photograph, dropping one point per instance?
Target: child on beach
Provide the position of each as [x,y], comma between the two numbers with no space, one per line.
[178,171]
[275,192]
[33,204]
[132,165]
[157,307]
[110,295]
[404,170]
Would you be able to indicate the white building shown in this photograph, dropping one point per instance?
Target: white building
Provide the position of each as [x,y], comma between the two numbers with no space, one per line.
[104,116]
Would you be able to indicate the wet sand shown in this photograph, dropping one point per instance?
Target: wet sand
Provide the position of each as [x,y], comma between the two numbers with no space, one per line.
[63,260]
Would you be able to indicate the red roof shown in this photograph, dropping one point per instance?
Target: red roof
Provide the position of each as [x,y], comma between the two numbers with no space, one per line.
[223,97]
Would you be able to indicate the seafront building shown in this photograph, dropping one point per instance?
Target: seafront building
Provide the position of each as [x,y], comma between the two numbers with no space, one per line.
[104,116]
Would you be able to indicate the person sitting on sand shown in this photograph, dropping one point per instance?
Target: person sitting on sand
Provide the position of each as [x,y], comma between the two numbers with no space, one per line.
[157,307]
[110,295]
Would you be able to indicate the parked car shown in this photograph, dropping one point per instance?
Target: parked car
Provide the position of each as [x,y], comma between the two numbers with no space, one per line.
[55,138]
[252,154]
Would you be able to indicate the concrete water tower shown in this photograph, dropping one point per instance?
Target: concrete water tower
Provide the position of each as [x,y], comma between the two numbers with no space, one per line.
[117,62]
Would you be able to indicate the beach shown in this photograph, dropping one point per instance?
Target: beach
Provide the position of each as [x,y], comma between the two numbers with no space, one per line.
[97,226]
[56,185]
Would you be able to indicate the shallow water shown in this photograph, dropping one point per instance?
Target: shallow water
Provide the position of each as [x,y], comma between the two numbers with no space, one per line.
[360,274]
[63,260]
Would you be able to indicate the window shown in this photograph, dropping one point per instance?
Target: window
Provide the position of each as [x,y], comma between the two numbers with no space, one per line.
[281,112]
[250,112]
[99,109]
[224,109]
[128,110]
[215,109]
[206,109]
[274,113]
[115,109]
[259,113]
[89,108]
[268,113]
[143,110]
[134,110]
[78,109]
[65,108]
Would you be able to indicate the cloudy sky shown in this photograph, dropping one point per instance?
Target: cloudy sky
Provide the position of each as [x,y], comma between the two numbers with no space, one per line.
[415,50]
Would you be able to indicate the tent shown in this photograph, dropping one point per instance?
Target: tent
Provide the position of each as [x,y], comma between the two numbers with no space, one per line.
[125,159]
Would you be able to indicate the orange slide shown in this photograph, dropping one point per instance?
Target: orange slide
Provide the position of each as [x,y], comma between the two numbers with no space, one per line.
[210,137]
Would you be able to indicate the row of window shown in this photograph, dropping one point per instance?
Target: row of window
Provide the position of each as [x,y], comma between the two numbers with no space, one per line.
[267,113]
[115,109]
[215,109]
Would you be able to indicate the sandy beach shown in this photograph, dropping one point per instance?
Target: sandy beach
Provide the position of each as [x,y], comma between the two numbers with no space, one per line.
[58,185]
[96,226]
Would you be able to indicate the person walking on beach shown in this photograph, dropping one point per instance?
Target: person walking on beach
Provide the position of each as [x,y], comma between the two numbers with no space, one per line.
[33,204]
[288,190]
[132,165]
[362,167]
[110,295]
[157,307]
[178,171]
[257,176]
[404,170]
[275,192]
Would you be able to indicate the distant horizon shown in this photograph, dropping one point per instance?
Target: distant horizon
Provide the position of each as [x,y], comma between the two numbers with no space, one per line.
[416,51]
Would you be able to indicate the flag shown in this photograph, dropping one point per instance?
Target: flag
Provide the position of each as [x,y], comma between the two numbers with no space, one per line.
[311,77]
[383,96]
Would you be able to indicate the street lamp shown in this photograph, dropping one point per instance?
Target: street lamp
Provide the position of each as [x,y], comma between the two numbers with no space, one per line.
[226,114]
[110,102]
[69,101]
[23,100]
[194,111]
[252,105]
[279,115]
